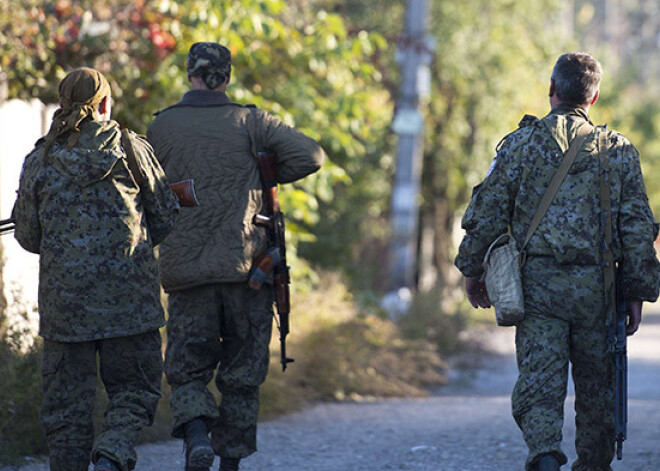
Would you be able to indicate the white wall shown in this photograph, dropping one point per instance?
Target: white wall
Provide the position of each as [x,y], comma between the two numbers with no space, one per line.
[21,124]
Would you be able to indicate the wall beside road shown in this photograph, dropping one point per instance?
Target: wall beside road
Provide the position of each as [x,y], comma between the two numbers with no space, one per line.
[21,124]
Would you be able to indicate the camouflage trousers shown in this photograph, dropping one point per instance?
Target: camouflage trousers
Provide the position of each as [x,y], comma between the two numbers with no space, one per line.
[564,323]
[225,326]
[131,369]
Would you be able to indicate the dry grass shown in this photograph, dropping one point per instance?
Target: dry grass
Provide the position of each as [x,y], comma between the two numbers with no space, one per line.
[343,353]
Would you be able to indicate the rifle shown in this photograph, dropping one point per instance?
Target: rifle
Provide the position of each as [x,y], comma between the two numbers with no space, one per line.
[275,257]
[184,191]
[6,226]
[617,342]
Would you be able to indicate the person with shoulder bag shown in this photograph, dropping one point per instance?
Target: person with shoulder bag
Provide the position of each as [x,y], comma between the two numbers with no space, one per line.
[544,191]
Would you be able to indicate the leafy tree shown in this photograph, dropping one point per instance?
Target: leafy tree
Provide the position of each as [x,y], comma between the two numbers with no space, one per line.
[489,69]
[306,69]
[41,41]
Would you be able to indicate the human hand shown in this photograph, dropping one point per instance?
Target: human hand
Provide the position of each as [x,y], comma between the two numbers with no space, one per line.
[634,316]
[477,293]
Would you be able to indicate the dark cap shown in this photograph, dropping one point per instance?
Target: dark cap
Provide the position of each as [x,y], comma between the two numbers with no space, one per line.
[211,62]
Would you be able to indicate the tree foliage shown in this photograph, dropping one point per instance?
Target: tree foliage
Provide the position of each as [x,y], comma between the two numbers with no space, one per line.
[41,41]
[489,70]
[327,67]
[307,70]
[492,65]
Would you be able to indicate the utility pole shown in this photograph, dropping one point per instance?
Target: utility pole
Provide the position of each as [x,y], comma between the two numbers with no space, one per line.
[414,54]
[3,298]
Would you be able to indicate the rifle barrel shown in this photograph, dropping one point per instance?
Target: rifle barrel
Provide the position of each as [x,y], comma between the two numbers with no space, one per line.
[6,225]
[620,360]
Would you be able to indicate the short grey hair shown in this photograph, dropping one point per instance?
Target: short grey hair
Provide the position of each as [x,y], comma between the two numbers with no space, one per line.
[577,77]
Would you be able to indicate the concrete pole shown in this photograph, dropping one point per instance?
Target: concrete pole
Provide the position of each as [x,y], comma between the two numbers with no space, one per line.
[3,298]
[414,55]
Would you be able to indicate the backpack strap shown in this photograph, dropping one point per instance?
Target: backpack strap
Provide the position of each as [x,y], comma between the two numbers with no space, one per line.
[557,179]
[131,159]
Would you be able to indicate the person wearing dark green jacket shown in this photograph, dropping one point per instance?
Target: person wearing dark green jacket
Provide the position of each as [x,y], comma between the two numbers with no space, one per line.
[215,319]
[565,318]
[79,207]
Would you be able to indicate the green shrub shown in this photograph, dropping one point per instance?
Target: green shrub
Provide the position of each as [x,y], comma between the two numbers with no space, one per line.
[20,400]
[344,350]
[367,357]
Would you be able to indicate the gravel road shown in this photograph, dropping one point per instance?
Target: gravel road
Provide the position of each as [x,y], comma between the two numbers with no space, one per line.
[466,426]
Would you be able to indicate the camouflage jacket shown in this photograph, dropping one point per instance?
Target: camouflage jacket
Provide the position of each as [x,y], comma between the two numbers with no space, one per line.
[209,139]
[95,231]
[570,231]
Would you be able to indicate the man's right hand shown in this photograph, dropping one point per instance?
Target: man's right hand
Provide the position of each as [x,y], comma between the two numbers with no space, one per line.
[477,293]
[634,316]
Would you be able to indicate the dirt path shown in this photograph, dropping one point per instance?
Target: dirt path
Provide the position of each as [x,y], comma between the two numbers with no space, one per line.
[464,427]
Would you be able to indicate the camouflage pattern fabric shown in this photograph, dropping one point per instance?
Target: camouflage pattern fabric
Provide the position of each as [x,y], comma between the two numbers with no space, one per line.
[563,276]
[94,229]
[211,62]
[564,322]
[570,231]
[131,371]
[225,326]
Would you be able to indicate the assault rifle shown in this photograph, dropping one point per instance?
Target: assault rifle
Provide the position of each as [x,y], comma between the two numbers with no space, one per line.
[617,342]
[6,226]
[184,191]
[274,260]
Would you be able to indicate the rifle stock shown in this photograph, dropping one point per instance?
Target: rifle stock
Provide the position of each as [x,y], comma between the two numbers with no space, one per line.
[273,220]
[618,347]
[185,192]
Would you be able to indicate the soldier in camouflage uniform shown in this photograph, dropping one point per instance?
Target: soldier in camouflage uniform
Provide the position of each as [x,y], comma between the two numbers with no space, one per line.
[80,209]
[215,319]
[563,275]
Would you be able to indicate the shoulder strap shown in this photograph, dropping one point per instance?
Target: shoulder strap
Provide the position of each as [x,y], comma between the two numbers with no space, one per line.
[131,159]
[606,220]
[557,179]
[256,144]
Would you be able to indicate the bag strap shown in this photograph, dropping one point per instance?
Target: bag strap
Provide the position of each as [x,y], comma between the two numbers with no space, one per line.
[606,219]
[557,179]
[131,159]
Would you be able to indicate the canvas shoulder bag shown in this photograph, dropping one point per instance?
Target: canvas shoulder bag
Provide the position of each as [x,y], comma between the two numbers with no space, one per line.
[503,259]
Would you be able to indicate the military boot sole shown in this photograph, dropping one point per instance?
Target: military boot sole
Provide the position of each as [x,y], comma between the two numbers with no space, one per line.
[548,463]
[200,458]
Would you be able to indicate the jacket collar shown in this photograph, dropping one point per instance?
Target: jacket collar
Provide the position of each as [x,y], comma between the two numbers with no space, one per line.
[571,110]
[201,99]
[204,98]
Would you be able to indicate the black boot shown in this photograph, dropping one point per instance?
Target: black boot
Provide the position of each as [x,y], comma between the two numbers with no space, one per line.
[548,462]
[229,464]
[199,454]
[105,464]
